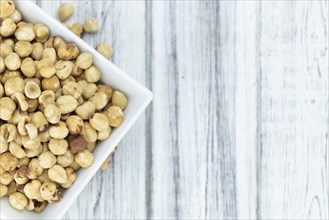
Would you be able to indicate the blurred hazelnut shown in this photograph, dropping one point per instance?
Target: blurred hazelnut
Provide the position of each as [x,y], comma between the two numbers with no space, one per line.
[84,158]
[25,33]
[115,115]
[58,131]
[32,90]
[66,104]
[13,61]
[52,113]
[105,49]
[91,25]
[99,121]
[58,146]
[57,174]
[63,69]
[8,27]
[65,11]
[84,61]
[77,29]
[7,8]
[8,161]
[47,160]
[68,51]
[74,124]
[18,200]
[28,67]
[23,48]
[92,74]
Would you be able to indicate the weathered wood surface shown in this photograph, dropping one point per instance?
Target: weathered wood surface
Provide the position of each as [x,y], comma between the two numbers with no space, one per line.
[239,123]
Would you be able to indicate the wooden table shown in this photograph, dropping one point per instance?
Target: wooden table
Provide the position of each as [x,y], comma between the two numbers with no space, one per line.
[239,123]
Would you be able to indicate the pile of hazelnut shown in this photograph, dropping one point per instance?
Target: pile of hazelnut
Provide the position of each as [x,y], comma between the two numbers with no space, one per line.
[52,111]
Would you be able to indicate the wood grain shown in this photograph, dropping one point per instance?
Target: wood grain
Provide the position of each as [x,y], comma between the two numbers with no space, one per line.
[239,125]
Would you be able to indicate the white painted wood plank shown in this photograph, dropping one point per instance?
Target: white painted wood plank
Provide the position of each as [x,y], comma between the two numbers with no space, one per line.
[247,51]
[293,172]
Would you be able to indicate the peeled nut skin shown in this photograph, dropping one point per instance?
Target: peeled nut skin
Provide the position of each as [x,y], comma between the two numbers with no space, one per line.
[25,171]
[65,11]
[115,115]
[7,8]
[18,200]
[77,144]
[84,158]
[39,206]
[57,174]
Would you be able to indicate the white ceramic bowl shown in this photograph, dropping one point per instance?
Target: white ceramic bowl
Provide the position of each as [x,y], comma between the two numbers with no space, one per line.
[139,97]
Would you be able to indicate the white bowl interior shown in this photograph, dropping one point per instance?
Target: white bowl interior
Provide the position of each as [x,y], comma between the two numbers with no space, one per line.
[138,96]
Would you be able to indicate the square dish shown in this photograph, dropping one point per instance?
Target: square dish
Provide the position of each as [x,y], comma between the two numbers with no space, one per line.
[139,97]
